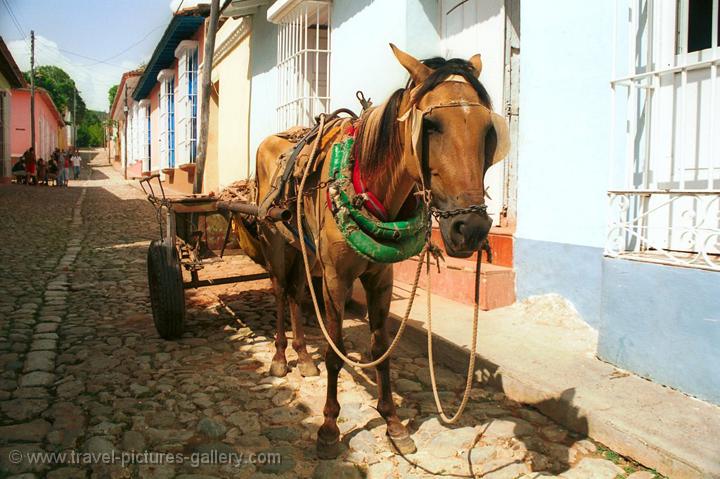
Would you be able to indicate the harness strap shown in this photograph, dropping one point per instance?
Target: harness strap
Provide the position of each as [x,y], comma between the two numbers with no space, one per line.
[372,202]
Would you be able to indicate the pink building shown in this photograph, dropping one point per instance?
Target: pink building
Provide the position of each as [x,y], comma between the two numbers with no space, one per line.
[48,123]
[10,77]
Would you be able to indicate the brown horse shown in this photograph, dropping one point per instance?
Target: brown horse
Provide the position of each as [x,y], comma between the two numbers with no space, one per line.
[438,132]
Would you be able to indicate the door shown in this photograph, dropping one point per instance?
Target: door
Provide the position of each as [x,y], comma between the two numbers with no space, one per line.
[490,28]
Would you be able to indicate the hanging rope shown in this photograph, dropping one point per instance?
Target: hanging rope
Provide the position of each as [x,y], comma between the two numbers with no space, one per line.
[473,347]
[308,274]
[424,257]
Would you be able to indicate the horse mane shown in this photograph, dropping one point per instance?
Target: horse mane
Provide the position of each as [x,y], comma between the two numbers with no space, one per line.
[445,68]
[378,139]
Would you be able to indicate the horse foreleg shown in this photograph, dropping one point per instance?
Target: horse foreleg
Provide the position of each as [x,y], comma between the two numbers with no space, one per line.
[279,367]
[328,440]
[378,287]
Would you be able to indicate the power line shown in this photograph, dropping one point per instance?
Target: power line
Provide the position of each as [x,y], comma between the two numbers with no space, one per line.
[95,61]
[14,19]
[179,6]
[17,24]
[89,58]
[81,56]
[128,48]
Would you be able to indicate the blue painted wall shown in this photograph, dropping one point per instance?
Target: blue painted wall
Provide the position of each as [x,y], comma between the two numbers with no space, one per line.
[663,323]
[573,271]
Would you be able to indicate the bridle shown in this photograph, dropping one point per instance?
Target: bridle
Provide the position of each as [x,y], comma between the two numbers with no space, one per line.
[416,118]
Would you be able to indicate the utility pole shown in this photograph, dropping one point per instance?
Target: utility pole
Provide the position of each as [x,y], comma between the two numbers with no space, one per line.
[32,89]
[205,89]
[74,139]
[125,110]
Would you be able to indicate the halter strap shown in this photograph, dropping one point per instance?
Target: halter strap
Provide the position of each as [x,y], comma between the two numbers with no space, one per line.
[416,116]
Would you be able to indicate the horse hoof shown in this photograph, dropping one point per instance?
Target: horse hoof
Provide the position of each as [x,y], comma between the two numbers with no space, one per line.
[308,369]
[328,449]
[402,444]
[278,369]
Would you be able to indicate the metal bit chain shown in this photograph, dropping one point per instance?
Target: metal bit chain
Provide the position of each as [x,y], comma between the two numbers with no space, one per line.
[437,213]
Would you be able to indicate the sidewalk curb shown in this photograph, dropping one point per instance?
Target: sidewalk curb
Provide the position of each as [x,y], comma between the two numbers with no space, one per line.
[581,395]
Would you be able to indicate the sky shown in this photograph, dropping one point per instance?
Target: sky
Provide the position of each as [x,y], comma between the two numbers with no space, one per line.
[94,41]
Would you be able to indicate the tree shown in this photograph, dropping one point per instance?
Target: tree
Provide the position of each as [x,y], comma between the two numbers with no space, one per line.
[61,88]
[91,132]
[111,94]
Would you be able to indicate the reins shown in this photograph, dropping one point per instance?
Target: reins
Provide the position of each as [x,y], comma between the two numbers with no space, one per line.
[308,274]
[429,249]
[426,194]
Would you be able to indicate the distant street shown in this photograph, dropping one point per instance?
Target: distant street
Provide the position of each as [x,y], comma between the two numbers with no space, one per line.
[83,370]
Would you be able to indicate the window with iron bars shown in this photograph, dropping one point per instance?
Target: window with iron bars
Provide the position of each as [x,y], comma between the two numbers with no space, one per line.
[148,139]
[192,72]
[665,194]
[303,64]
[187,100]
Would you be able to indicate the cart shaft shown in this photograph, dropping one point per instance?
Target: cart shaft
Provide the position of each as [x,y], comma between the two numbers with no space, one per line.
[275,213]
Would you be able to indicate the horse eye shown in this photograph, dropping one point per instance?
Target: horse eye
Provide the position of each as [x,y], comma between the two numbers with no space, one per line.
[431,126]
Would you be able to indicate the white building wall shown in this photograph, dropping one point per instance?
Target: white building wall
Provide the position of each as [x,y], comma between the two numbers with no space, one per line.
[361,58]
[264,87]
[565,119]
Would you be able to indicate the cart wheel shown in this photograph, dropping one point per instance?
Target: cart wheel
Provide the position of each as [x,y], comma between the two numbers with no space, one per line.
[166,290]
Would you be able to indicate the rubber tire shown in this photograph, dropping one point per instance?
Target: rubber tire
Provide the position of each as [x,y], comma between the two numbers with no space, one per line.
[167,295]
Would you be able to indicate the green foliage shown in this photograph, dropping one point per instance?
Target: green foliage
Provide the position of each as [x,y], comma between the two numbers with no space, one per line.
[111,94]
[61,88]
[91,131]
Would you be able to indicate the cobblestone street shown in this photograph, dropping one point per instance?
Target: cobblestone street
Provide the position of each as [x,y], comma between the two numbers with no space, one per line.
[84,371]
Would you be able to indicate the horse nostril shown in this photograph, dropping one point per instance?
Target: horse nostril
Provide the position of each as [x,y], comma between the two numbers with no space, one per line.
[459,226]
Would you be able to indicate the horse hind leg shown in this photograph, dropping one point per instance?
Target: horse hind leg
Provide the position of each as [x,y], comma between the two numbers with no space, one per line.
[378,287]
[278,366]
[306,365]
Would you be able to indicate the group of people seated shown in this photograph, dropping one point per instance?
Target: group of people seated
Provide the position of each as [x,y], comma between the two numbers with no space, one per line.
[57,169]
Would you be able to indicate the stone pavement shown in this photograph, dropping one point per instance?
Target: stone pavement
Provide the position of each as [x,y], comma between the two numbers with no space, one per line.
[84,374]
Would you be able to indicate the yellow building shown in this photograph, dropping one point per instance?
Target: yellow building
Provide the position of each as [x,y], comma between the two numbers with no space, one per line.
[229,158]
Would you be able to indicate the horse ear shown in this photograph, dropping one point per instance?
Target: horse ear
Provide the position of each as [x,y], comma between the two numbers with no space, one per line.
[497,145]
[417,70]
[476,62]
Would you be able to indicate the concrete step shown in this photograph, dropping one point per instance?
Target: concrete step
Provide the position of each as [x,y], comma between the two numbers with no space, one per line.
[456,281]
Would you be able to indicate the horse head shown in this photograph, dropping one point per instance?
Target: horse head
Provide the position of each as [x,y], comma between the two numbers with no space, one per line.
[451,138]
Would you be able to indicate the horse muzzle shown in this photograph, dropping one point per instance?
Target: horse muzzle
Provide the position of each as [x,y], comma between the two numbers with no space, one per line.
[462,234]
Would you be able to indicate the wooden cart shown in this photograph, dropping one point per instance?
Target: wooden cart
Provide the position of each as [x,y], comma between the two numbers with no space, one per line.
[181,245]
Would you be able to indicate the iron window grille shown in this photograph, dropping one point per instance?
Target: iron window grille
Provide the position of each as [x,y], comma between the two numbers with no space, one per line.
[166,104]
[665,182]
[148,139]
[187,100]
[303,64]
